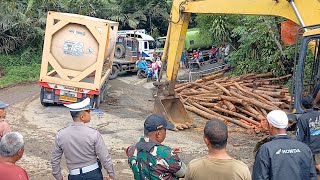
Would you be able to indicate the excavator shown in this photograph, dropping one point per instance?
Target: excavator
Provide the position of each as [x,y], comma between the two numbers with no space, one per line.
[306,13]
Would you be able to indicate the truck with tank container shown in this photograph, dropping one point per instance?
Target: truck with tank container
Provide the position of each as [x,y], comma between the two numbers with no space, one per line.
[76,60]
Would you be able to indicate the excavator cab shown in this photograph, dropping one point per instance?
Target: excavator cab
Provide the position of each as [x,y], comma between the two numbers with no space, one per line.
[306,67]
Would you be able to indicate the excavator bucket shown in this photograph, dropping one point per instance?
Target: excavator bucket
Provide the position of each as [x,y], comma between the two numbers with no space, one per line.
[173,110]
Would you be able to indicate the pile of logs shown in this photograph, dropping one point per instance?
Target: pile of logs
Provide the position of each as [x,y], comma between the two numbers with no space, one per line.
[243,100]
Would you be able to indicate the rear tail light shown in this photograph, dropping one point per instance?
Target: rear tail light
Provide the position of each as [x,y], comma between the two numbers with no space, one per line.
[79,95]
[48,89]
[57,92]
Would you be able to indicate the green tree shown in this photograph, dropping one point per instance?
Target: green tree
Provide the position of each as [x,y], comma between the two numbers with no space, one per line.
[133,14]
[255,41]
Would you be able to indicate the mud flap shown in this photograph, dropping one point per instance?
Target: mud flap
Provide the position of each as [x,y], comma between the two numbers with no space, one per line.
[173,110]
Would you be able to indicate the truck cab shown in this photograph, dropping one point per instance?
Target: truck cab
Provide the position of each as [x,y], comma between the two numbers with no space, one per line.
[126,40]
[130,46]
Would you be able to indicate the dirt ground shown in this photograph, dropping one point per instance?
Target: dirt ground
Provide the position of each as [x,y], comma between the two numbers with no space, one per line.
[128,103]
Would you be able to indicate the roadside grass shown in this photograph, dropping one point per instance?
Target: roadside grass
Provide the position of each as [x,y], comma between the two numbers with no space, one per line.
[19,68]
[18,74]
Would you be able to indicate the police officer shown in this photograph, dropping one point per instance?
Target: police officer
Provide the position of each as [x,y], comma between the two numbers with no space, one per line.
[81,146]
[282,157]
[149,159]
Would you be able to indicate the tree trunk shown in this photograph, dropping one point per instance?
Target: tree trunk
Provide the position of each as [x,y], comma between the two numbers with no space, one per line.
[237,115]
[230,106]
[213,115]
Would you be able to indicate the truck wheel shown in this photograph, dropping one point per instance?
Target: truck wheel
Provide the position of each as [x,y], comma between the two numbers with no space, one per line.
[96,101]
[103,93]
[140,74]
[41,97]
[119,51]
[114,73]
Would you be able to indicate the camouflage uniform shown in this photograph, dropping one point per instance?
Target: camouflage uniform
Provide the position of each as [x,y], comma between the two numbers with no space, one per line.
[154,161]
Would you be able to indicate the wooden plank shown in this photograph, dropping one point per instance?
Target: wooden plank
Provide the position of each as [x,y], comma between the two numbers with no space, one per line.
[72,73]
[96,34]
[104,77]
[78,19]
[85,73]
[52,73]
[83,85]
[111,57]
[46,49]
[56,66]
[103,44]
[58,26]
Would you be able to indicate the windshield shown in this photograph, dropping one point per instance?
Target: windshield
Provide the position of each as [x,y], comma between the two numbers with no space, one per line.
[152,44]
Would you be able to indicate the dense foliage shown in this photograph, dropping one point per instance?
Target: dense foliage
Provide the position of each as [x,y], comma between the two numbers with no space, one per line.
[253,42]
[22,26]
[22,23]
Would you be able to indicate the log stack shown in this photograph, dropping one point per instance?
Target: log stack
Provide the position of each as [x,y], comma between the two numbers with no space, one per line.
[243,100]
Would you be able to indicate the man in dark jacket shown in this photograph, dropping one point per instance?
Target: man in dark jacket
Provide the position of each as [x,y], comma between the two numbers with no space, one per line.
[282,157]
[308,131]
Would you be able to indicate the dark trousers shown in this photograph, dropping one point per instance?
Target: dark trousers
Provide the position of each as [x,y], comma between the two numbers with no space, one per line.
[92,175]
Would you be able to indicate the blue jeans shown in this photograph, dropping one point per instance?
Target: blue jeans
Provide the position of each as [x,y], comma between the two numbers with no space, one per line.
[92,175]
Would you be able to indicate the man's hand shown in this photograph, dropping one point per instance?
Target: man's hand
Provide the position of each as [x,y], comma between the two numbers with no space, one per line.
[177,150]
[107,178]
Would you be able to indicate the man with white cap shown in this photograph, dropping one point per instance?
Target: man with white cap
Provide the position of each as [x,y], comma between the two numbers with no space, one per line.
[4,126]
[81,146]
[282,157]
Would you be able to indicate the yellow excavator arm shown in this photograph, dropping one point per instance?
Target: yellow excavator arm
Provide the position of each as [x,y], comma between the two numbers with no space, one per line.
[303,12]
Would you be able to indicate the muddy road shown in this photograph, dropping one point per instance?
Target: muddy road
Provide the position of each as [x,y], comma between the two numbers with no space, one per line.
[120,121]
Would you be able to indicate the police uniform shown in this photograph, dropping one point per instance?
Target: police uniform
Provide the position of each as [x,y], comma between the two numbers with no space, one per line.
[151,160]
[81,146]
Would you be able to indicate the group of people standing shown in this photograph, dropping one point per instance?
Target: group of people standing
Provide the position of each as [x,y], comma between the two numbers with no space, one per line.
[11,149]
[86,153]
[196,56]
[151,70]
[279,158]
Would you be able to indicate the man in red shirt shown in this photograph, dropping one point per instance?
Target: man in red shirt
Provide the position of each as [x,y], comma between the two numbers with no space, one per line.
[11,150]
[4,126]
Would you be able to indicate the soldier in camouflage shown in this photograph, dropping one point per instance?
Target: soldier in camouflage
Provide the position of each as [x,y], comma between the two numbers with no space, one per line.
[149,159]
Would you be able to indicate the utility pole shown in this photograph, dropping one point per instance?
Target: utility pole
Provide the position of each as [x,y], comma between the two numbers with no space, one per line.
[150,24]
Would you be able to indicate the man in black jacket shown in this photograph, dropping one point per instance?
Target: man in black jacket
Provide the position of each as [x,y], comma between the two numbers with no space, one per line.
[282,157]
[308,131]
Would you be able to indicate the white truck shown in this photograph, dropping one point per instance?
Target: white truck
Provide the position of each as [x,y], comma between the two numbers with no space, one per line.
[130,45]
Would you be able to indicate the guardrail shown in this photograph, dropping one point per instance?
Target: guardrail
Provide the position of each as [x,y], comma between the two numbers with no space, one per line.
[193,75]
